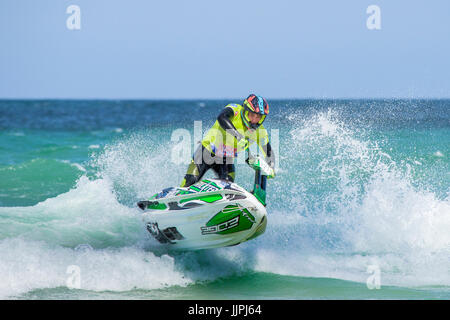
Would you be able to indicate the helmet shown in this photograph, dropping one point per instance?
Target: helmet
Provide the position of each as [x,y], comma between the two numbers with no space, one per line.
[256,104]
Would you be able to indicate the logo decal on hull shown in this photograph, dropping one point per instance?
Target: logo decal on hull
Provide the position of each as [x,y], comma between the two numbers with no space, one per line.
[221,227]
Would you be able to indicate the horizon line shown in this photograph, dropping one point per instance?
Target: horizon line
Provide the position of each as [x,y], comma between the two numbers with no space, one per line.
[222,98]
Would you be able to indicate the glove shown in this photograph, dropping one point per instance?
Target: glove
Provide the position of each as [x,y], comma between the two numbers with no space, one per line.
[255,164]
[243,143]
[272,169]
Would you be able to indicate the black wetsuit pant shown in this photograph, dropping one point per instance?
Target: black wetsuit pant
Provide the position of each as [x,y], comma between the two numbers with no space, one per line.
[202,161]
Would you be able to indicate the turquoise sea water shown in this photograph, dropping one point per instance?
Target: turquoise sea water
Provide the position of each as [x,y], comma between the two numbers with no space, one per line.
[361,198]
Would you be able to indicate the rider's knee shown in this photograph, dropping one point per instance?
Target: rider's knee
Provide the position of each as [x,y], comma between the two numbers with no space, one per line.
[188,181]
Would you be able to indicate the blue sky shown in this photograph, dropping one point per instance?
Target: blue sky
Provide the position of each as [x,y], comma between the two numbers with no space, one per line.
[224,49]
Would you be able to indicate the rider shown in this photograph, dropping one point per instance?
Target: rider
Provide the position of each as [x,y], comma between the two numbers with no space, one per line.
[236,128]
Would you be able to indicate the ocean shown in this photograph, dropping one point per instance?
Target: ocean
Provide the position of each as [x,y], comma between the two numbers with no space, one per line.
[359,209]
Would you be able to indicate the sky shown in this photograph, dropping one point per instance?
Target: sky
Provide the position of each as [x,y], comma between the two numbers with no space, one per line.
[174,49]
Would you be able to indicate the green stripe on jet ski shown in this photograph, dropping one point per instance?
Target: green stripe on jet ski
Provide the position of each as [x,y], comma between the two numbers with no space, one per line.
[159,206]
[211,183]
[209,198]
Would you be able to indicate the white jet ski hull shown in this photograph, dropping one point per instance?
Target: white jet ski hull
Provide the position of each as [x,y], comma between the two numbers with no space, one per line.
[209,214]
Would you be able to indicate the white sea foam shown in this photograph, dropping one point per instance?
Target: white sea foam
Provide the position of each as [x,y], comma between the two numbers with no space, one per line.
[89,213]
[75,165]
[138,166]
[17,134]
[27,265]
[368,213]
[88,228]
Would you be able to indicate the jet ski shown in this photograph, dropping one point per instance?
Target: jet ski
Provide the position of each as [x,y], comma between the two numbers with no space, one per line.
[211,213]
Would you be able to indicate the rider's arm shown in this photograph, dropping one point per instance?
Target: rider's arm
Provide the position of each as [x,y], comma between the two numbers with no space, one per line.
[224,119]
